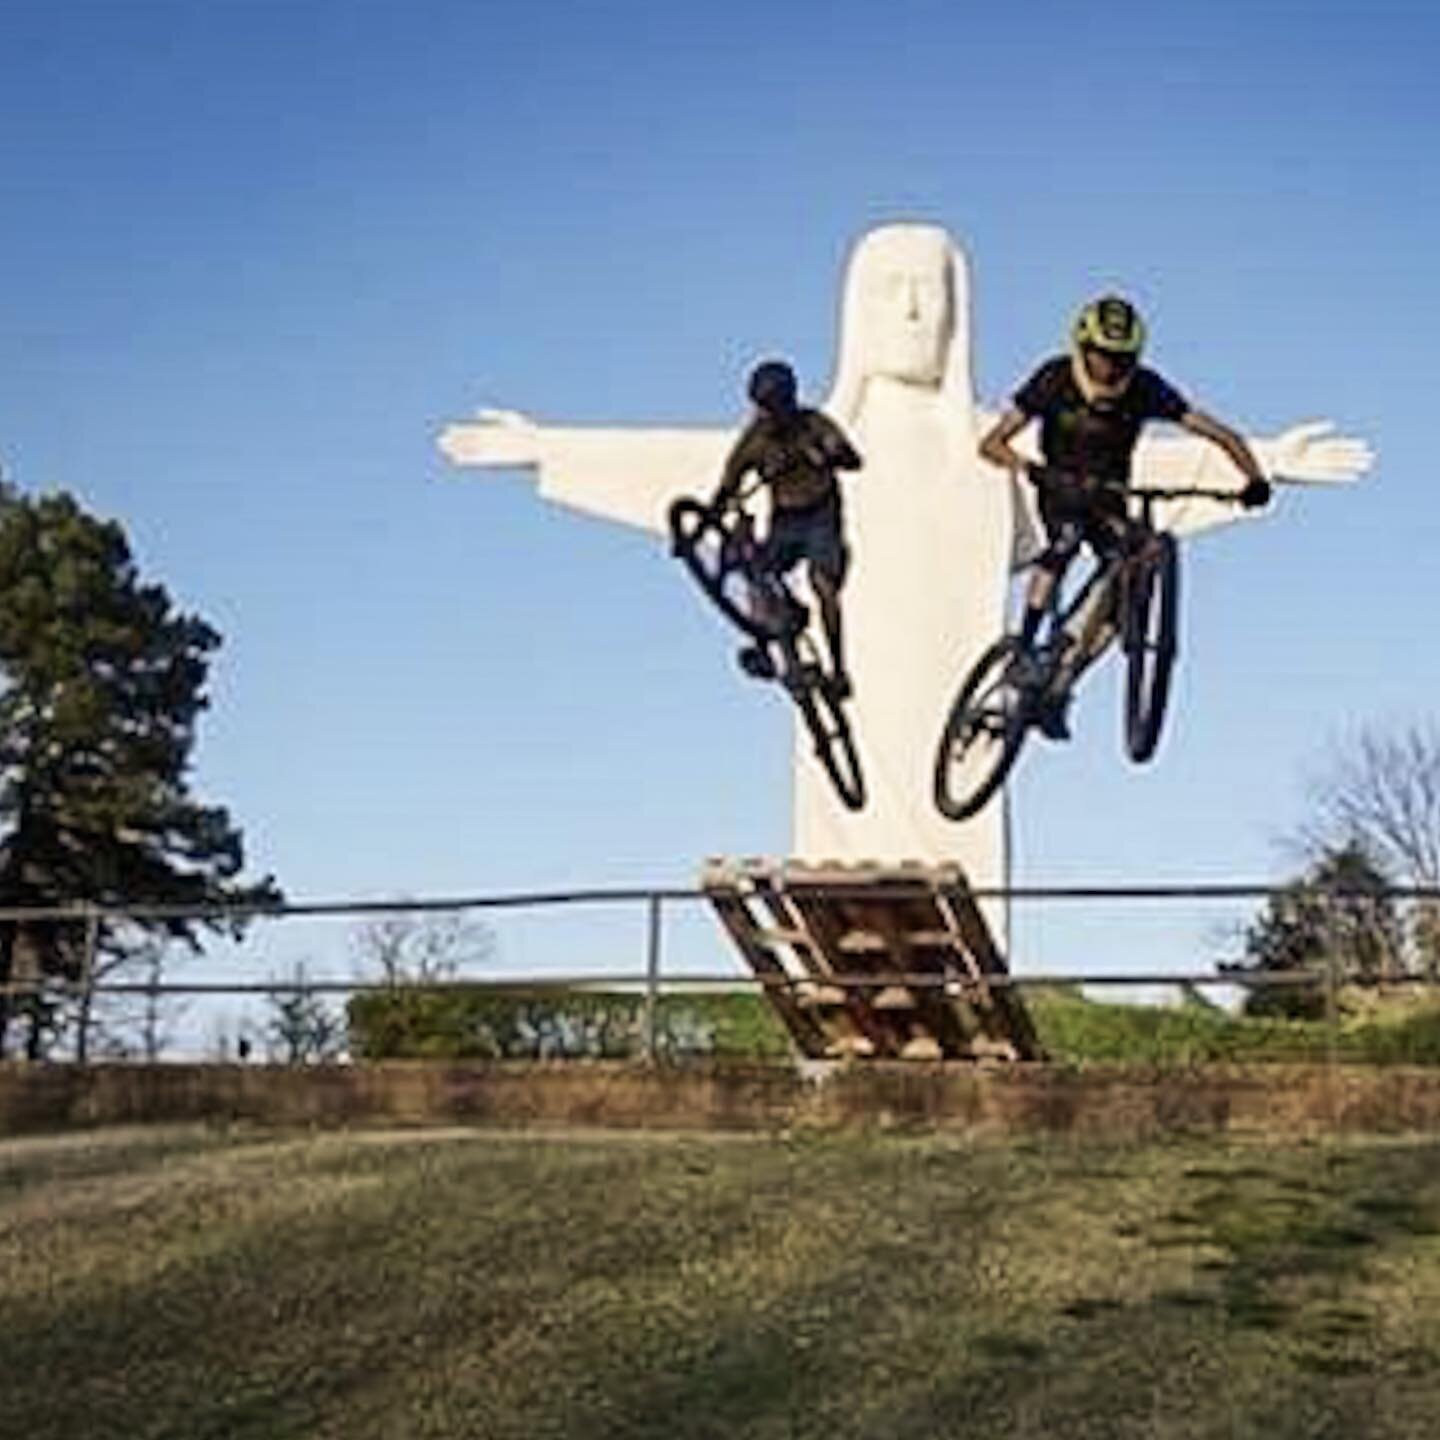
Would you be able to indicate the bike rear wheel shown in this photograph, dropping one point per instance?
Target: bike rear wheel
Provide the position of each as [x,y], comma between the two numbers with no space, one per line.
[983,733]
[1152,604]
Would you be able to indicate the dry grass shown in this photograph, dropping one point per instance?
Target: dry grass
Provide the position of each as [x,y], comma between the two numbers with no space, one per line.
[189,1283]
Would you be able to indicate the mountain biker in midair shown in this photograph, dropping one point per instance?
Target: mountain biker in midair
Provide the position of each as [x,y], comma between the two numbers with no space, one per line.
[1092,404]
[796,451]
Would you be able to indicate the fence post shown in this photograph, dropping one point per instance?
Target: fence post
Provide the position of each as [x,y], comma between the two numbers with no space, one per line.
[652,975]
[1332,1027]
[87,984]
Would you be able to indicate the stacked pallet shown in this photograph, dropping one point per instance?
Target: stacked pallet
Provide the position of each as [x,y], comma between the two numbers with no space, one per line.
[872,961]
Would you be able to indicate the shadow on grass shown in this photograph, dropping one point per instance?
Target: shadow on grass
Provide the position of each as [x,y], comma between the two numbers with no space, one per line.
[265,1323]
[410,1305]
[1266,1341]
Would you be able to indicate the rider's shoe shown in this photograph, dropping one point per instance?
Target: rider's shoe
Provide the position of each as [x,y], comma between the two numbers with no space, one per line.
[797,617]
[1052,719]
[756,662]
[840,686]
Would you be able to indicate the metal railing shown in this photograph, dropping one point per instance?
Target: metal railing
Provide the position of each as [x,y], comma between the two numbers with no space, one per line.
[652,980]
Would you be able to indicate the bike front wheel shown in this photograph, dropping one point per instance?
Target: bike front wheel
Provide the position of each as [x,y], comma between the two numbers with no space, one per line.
[1152,606]
[718,550]
[825,719]
[983,733]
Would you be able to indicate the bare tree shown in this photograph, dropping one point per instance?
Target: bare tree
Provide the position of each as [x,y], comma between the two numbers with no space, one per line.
[417,947]
[120,1027]
[147,1025]
[159,1013]
[301,1028]
[1381,791]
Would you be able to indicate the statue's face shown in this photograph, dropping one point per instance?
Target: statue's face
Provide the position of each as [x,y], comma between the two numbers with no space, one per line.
[906,294]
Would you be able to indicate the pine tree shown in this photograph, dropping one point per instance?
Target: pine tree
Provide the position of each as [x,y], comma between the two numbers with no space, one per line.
[102,682]
[1354,937]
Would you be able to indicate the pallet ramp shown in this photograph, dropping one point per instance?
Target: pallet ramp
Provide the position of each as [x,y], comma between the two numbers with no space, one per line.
[873,961]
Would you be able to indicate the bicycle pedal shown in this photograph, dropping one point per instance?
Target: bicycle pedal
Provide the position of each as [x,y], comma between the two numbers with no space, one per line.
[1052,717]
[756,663]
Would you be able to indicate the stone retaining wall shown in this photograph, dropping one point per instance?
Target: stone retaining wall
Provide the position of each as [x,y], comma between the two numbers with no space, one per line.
[1095,1100]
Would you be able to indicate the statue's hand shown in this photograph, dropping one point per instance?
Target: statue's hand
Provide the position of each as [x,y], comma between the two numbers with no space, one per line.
[1312,454]
[493,437]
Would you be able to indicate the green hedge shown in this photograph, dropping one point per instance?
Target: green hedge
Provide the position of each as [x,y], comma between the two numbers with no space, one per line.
[1072,1028]
[488,1024]
[570,1024]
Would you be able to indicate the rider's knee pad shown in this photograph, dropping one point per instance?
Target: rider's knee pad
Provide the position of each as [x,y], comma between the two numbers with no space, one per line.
[1065,539]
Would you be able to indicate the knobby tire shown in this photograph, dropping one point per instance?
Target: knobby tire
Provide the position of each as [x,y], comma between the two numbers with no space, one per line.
[1151,614]
[985,707]
[827,723]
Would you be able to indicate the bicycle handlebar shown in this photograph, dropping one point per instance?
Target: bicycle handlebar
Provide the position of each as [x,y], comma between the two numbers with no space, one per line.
[1184,492]
[735,500]
[1044,474]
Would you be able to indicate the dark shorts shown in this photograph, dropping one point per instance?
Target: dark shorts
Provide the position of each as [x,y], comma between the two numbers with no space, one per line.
[816,534]
[1073,516]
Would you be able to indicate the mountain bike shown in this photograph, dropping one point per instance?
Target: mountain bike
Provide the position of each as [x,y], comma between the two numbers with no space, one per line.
[1011,688]
[720,548]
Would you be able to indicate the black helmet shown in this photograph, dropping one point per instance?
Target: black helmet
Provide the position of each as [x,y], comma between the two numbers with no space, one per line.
[772,387]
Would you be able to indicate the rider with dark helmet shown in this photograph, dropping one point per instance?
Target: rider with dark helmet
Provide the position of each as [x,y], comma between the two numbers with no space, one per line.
[1092,404]
[796,452]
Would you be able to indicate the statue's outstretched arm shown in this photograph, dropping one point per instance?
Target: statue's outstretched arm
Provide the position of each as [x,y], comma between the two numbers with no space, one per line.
[626,475]
[1308,454]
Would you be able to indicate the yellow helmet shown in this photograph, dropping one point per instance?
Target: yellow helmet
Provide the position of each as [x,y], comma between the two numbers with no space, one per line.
[1112,324]
[1113,327]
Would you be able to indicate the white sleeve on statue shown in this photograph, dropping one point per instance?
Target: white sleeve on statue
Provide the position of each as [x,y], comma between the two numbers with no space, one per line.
[1308,454]
[629,475]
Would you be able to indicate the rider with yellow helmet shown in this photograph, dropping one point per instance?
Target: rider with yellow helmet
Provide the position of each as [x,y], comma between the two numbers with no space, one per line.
[1091,404]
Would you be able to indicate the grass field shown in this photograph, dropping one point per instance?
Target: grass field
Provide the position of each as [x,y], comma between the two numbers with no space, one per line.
[449,1283]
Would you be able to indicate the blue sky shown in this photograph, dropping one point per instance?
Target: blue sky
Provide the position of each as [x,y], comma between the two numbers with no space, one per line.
[254,255]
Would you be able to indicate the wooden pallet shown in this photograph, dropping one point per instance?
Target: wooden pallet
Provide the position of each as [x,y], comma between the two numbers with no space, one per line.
[889,962]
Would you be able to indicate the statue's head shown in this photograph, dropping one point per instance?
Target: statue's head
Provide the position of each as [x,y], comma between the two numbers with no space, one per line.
[905,314]
[902,287]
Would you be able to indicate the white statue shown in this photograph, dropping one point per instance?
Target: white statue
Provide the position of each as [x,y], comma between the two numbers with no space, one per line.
[933,530]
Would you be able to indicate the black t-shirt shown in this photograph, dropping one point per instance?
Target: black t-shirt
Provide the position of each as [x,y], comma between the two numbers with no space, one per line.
[797,457]
[1094,439]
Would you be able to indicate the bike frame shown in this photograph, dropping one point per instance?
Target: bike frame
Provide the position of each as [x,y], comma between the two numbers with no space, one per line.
[999,700]
[1112,572]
